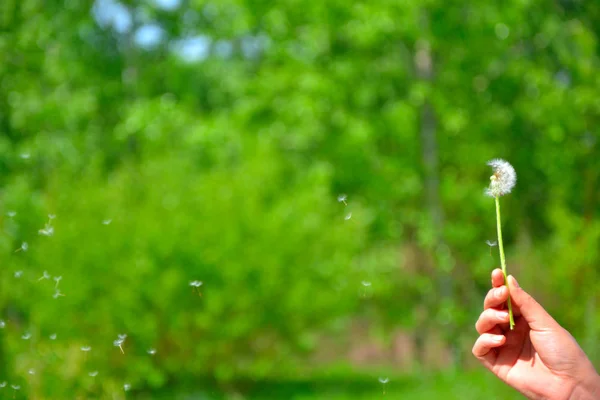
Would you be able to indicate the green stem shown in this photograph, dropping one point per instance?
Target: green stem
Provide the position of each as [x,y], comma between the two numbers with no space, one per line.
[503,261]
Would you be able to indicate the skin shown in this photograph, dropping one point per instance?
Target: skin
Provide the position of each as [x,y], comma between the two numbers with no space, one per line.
[539,358]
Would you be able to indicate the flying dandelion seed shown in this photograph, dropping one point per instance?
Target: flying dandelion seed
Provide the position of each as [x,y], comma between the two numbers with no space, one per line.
[24,247]
[25,156]
[58,294]
[26,336]
[31,371]
[93,374]
[11,214]
[491,244]
[196,285]
[348,216]
[52,336]
[57,279]
[366,283]
[15,387]
[383,381]
[18,274]
[2,324]
[342,199]
[51,216]
[47,231]
[85,348]
[3,384]
[45,275]
[107,221]
[151,351]
[119,342]
[126,387]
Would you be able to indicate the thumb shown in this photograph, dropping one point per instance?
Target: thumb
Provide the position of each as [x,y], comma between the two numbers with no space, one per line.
[537,318]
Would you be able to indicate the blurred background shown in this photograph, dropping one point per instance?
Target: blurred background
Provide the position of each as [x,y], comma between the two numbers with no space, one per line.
[284,199]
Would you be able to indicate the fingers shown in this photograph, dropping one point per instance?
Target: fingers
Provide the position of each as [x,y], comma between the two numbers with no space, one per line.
[489,319]
[484,345]
[495,297]
[537,318]
[497,278]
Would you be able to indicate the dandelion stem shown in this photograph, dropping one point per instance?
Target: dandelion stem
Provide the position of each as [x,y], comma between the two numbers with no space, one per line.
[503,261]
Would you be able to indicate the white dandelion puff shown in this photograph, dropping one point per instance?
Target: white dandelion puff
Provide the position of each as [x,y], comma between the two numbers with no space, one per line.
[503,180]
[342,199]
[45,275]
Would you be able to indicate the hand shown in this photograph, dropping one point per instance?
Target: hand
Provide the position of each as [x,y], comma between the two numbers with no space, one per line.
[539,358]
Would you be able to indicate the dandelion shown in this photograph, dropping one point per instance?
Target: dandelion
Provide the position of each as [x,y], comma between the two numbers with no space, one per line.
[119,342]
[383,381]
[57,279]
[18,274]
[26,336]
[24,247]
[196,286]
[45,275]
[342,199]
[501,183]
[491,244]
[93,373]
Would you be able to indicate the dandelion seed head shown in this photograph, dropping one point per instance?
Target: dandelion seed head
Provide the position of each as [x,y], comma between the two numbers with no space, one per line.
[503,180]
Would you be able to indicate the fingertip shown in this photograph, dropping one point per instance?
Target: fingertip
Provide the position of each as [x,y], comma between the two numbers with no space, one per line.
[513,282]
[497,277]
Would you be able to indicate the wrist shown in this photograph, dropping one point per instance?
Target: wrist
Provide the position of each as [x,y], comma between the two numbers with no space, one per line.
[587,388]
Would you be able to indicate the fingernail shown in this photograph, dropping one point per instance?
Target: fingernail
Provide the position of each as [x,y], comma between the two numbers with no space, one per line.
[515,281]
[497,338]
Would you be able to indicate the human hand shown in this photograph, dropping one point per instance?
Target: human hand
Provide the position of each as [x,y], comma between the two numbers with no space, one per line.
[539,358]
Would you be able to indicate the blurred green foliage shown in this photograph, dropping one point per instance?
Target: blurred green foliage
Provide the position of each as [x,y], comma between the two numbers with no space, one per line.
[215,150]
